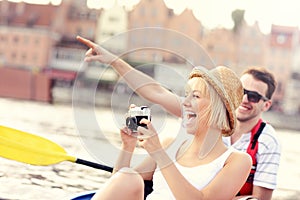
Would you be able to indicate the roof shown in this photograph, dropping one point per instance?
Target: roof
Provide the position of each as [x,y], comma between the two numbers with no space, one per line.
[24,14]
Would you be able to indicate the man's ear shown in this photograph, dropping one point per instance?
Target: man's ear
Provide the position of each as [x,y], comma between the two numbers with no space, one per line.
[267,105]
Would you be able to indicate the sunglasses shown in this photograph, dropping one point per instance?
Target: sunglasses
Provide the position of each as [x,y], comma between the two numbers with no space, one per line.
[254,97]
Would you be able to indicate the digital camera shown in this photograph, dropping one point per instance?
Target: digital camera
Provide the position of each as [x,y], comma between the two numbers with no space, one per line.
[135,115]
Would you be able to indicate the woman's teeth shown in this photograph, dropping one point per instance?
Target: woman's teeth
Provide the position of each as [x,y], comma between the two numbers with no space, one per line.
[190,115]
[188,118]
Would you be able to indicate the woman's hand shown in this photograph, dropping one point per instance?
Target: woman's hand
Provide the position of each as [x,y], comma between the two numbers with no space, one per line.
[148,138]
[129,139]
[96,52]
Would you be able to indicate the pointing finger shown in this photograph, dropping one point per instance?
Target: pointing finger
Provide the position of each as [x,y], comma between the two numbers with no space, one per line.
[86,42]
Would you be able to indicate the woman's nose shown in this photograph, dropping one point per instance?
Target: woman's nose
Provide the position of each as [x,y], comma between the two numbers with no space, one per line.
[187,101]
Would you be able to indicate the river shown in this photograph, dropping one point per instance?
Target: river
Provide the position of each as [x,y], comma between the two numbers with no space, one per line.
[58,123]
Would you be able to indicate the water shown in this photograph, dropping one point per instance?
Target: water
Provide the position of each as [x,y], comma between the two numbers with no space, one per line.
[56,122]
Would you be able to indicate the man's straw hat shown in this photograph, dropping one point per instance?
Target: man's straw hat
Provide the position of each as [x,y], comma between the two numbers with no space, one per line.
[228,86]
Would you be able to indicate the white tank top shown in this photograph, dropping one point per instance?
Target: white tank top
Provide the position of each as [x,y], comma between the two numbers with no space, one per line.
[198,176]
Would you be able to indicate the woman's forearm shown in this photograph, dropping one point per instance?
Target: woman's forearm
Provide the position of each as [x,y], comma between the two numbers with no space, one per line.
[141,83]
[124,160]
[137,80]
[148,88]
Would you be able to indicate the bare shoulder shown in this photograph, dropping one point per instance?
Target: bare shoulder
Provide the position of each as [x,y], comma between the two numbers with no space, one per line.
[240,159]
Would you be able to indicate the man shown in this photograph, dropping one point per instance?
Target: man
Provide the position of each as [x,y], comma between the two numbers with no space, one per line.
[259,86]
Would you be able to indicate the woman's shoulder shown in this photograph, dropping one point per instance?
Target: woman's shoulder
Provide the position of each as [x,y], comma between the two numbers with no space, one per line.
[238,165]
[239,158]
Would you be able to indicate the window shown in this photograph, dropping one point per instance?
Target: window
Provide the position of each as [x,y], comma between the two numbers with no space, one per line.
[16,39]
[154,12]
[13,55]
[79,31]
[34,58]
[142,12]
[36,41]
[113,19]
[2,38]
[281,39]
[26,39]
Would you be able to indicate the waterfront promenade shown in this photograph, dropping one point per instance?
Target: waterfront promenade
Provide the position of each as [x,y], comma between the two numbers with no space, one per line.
[61,181]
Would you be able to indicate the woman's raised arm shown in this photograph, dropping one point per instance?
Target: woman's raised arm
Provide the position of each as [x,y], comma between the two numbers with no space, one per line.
[142,84]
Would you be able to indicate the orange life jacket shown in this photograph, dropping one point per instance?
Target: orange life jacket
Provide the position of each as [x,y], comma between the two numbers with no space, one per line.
[252,150]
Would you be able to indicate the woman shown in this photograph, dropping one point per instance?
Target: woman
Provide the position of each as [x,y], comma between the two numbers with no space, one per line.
[201,166]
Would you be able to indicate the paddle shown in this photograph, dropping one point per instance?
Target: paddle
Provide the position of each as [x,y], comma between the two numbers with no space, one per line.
[35,150]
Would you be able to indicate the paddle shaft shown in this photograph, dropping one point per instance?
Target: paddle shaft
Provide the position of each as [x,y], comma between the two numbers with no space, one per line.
[94,165]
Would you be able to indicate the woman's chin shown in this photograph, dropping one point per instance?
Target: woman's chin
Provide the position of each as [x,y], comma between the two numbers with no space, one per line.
[190,130]
[189,126]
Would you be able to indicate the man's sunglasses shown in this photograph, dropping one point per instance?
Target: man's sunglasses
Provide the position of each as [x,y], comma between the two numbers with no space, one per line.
[254,97]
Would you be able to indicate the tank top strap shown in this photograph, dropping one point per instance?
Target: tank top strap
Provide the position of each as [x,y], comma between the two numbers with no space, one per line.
[222,159]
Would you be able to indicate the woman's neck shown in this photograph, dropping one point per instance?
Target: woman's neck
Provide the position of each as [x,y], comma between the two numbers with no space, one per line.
[193,153]
[204,144]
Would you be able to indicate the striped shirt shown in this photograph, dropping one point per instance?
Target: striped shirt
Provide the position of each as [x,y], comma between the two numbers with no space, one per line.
[268,156]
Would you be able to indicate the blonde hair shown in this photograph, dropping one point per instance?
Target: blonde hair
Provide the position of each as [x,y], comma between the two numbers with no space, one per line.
[216,111]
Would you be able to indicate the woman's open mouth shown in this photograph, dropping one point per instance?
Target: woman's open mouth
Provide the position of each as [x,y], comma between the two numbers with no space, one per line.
[190,116]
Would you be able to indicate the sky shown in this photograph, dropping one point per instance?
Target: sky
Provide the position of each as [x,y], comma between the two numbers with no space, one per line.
[217,13]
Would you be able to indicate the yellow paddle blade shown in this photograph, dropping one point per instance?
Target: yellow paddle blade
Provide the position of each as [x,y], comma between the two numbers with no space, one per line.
[31,149]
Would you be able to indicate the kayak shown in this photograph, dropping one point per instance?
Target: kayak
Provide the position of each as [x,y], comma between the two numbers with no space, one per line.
[89,194]
[84,196]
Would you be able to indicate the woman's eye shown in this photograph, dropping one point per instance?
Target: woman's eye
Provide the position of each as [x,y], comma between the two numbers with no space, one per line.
[196,96]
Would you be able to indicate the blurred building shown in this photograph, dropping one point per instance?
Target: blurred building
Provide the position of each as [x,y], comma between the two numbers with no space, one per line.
[26,40]
[220,45]
[281,49]
[72,18]
[26,35]
[251,47]
[111,34]
[111,26]
[40,40]
[172,40]
[285,62]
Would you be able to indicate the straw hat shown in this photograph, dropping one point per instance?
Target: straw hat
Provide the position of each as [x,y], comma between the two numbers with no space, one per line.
[228,86]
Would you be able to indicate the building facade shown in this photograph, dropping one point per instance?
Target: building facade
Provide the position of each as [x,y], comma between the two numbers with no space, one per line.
[41,40]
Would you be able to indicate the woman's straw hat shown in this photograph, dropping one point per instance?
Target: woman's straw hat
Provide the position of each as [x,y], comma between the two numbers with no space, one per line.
[228,86]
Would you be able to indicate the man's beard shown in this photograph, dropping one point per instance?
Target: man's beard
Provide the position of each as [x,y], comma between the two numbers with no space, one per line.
[245,119]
